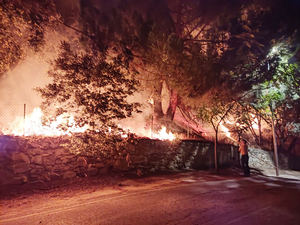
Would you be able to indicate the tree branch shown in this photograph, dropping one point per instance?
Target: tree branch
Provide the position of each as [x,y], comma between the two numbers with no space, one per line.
[205,41]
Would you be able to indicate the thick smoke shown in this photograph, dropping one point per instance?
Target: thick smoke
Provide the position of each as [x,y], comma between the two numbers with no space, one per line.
[17,86]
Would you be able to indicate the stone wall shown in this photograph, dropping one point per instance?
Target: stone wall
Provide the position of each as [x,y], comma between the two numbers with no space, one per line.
[35,160]
[200,155]
[185,154]
[43,159]
[262,159]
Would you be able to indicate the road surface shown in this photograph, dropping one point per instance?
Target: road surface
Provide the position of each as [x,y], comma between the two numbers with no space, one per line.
[195,198]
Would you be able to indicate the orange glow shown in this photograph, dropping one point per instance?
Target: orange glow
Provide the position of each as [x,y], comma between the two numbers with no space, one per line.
[254,123]
[163,135]
[226,131]
[32,125]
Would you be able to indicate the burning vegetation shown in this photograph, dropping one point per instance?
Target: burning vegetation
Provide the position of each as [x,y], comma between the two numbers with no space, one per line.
[211,70]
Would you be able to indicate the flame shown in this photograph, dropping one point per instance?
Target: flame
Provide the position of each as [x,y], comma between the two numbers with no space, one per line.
[226,131]
[32,125]
[254,123]
[163,135]
[151,101]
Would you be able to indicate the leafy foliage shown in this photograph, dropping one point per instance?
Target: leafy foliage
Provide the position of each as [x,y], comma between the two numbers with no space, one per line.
[104,144]
[195,46]
[91,86]
[278,97]
[215,111]
[283,89]
[22,25]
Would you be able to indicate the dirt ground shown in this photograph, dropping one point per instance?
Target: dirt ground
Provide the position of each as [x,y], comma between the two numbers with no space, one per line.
[191,197]
[82,185]
[113,180]
[17,195]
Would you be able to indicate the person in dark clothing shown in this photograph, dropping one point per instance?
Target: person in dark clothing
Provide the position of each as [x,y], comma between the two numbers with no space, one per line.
[243,149]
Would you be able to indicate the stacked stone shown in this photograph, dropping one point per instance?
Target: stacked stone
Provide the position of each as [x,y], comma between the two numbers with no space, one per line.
[35,159]
[43,159]
[263,159]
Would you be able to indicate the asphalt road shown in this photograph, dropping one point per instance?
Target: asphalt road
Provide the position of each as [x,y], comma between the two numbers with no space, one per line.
[192,198]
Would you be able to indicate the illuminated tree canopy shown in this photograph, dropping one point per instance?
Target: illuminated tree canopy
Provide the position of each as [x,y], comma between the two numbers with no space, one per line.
[91,86]
[22,25]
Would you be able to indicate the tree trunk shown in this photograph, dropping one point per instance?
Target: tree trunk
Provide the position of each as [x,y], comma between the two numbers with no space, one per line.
[259,129]
[275,146]
[215,150]
[274,141]
[173,104]
[157,106]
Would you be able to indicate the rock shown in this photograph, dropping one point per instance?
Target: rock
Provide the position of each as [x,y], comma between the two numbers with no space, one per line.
[21,162]
[69,175]
[121,164]
[3,157]
[42,143]
[37,160]
[139,172]
[61,151]
[45,155]
[69,156]
[19,179]
[67,159]
[35,151]
[92,171]
[2,146]
[55,176]
[35,177]
[45,177]
[62,167]
[6,176]
[3,152]
[11,146]
[81,161]
[54,145]
[49,167]
[99,165]
[37,171]
[49,161]
[20,167]
[104,170]
[20,157]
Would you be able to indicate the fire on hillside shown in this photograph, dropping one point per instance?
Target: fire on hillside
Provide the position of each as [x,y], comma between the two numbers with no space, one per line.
[32,125]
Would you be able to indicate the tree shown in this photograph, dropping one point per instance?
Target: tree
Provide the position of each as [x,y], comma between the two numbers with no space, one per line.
[193,46]
[91,86]
[214,113]
[280,95]
[198,47]
[275,100]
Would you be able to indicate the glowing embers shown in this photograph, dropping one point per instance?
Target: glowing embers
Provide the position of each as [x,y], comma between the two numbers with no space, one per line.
[32,125]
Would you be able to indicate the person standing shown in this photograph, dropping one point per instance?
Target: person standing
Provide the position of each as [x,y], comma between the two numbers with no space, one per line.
[243,149]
